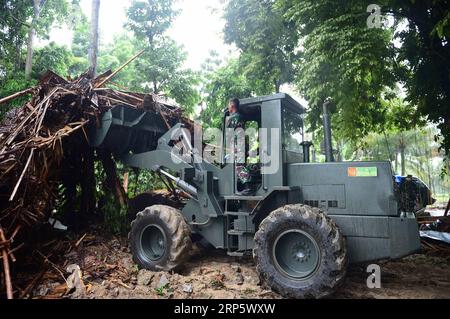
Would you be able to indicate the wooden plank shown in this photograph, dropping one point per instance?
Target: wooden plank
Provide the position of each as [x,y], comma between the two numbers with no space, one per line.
[119,69]
[9,291]
[16,95]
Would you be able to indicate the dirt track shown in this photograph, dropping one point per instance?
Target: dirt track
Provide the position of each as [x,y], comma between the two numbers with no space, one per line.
[108,272]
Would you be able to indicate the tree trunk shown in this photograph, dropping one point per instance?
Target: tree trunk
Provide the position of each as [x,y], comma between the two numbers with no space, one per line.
[402,154]
[17,60]
[396,163]
[277,85]
[93,46]
[313,150]
[112,180]
[429,164]
[88,182]
[31,36]
[18,45]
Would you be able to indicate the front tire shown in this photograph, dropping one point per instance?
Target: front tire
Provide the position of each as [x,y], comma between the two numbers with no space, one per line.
[300,252]
[160,238]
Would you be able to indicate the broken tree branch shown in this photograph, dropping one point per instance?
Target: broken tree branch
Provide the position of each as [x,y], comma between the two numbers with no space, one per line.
[119,69]
[21,176]
[9,292]
[16,95]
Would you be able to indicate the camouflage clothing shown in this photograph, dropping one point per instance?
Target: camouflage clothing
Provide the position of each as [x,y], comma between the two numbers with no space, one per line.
[246,173]
[235,121]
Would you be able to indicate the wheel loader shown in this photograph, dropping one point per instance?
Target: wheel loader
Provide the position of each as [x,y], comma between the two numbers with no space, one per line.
[303,226]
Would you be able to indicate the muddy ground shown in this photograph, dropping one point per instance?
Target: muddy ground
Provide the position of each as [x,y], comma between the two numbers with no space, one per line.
[100,266]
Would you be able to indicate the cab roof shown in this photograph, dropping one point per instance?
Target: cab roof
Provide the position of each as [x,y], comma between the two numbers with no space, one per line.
[286,99]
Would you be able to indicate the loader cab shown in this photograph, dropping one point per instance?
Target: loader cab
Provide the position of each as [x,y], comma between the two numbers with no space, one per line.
[249,137]
[277,122]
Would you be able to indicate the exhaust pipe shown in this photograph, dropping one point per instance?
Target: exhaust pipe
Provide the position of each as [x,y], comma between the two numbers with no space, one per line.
[327,131]
[306,145]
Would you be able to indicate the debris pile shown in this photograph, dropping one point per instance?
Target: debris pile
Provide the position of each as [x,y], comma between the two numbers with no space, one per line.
[435,230]
[108,272]
[35,145]
[99,265]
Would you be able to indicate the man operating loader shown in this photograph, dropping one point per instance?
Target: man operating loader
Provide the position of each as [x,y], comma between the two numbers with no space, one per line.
[246,173]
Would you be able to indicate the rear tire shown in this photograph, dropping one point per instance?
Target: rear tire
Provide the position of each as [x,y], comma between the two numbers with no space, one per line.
[160,238]
[300,252]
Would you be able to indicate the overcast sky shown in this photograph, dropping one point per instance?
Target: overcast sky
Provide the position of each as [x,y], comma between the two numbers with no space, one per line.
[198,27]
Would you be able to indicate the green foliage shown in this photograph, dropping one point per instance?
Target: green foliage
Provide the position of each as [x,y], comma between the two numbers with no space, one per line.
[80,46]
[224,83]
[401,115]
[150,19]
[17,19]
[10,85]
[421,154]
[344,60]
[140,181]
[424,56]
[115,216]
[161,291]
[355,65]
[183,89]
[267,42]
[114,55]
[211,64]
[442,27]
[52,57]
[14,84]
[160,69]
[160,64]
[80,41]
[13,32]
[54,13]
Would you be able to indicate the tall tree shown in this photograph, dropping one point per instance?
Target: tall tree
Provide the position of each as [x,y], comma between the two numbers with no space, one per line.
[150,19]
[112,56]
[80,46]
[37,8]
[13,30]
[93,46]
[13,33]
[343,58]
[161,66]
[16,21]
[424,55]
[44,14]
[266,40]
